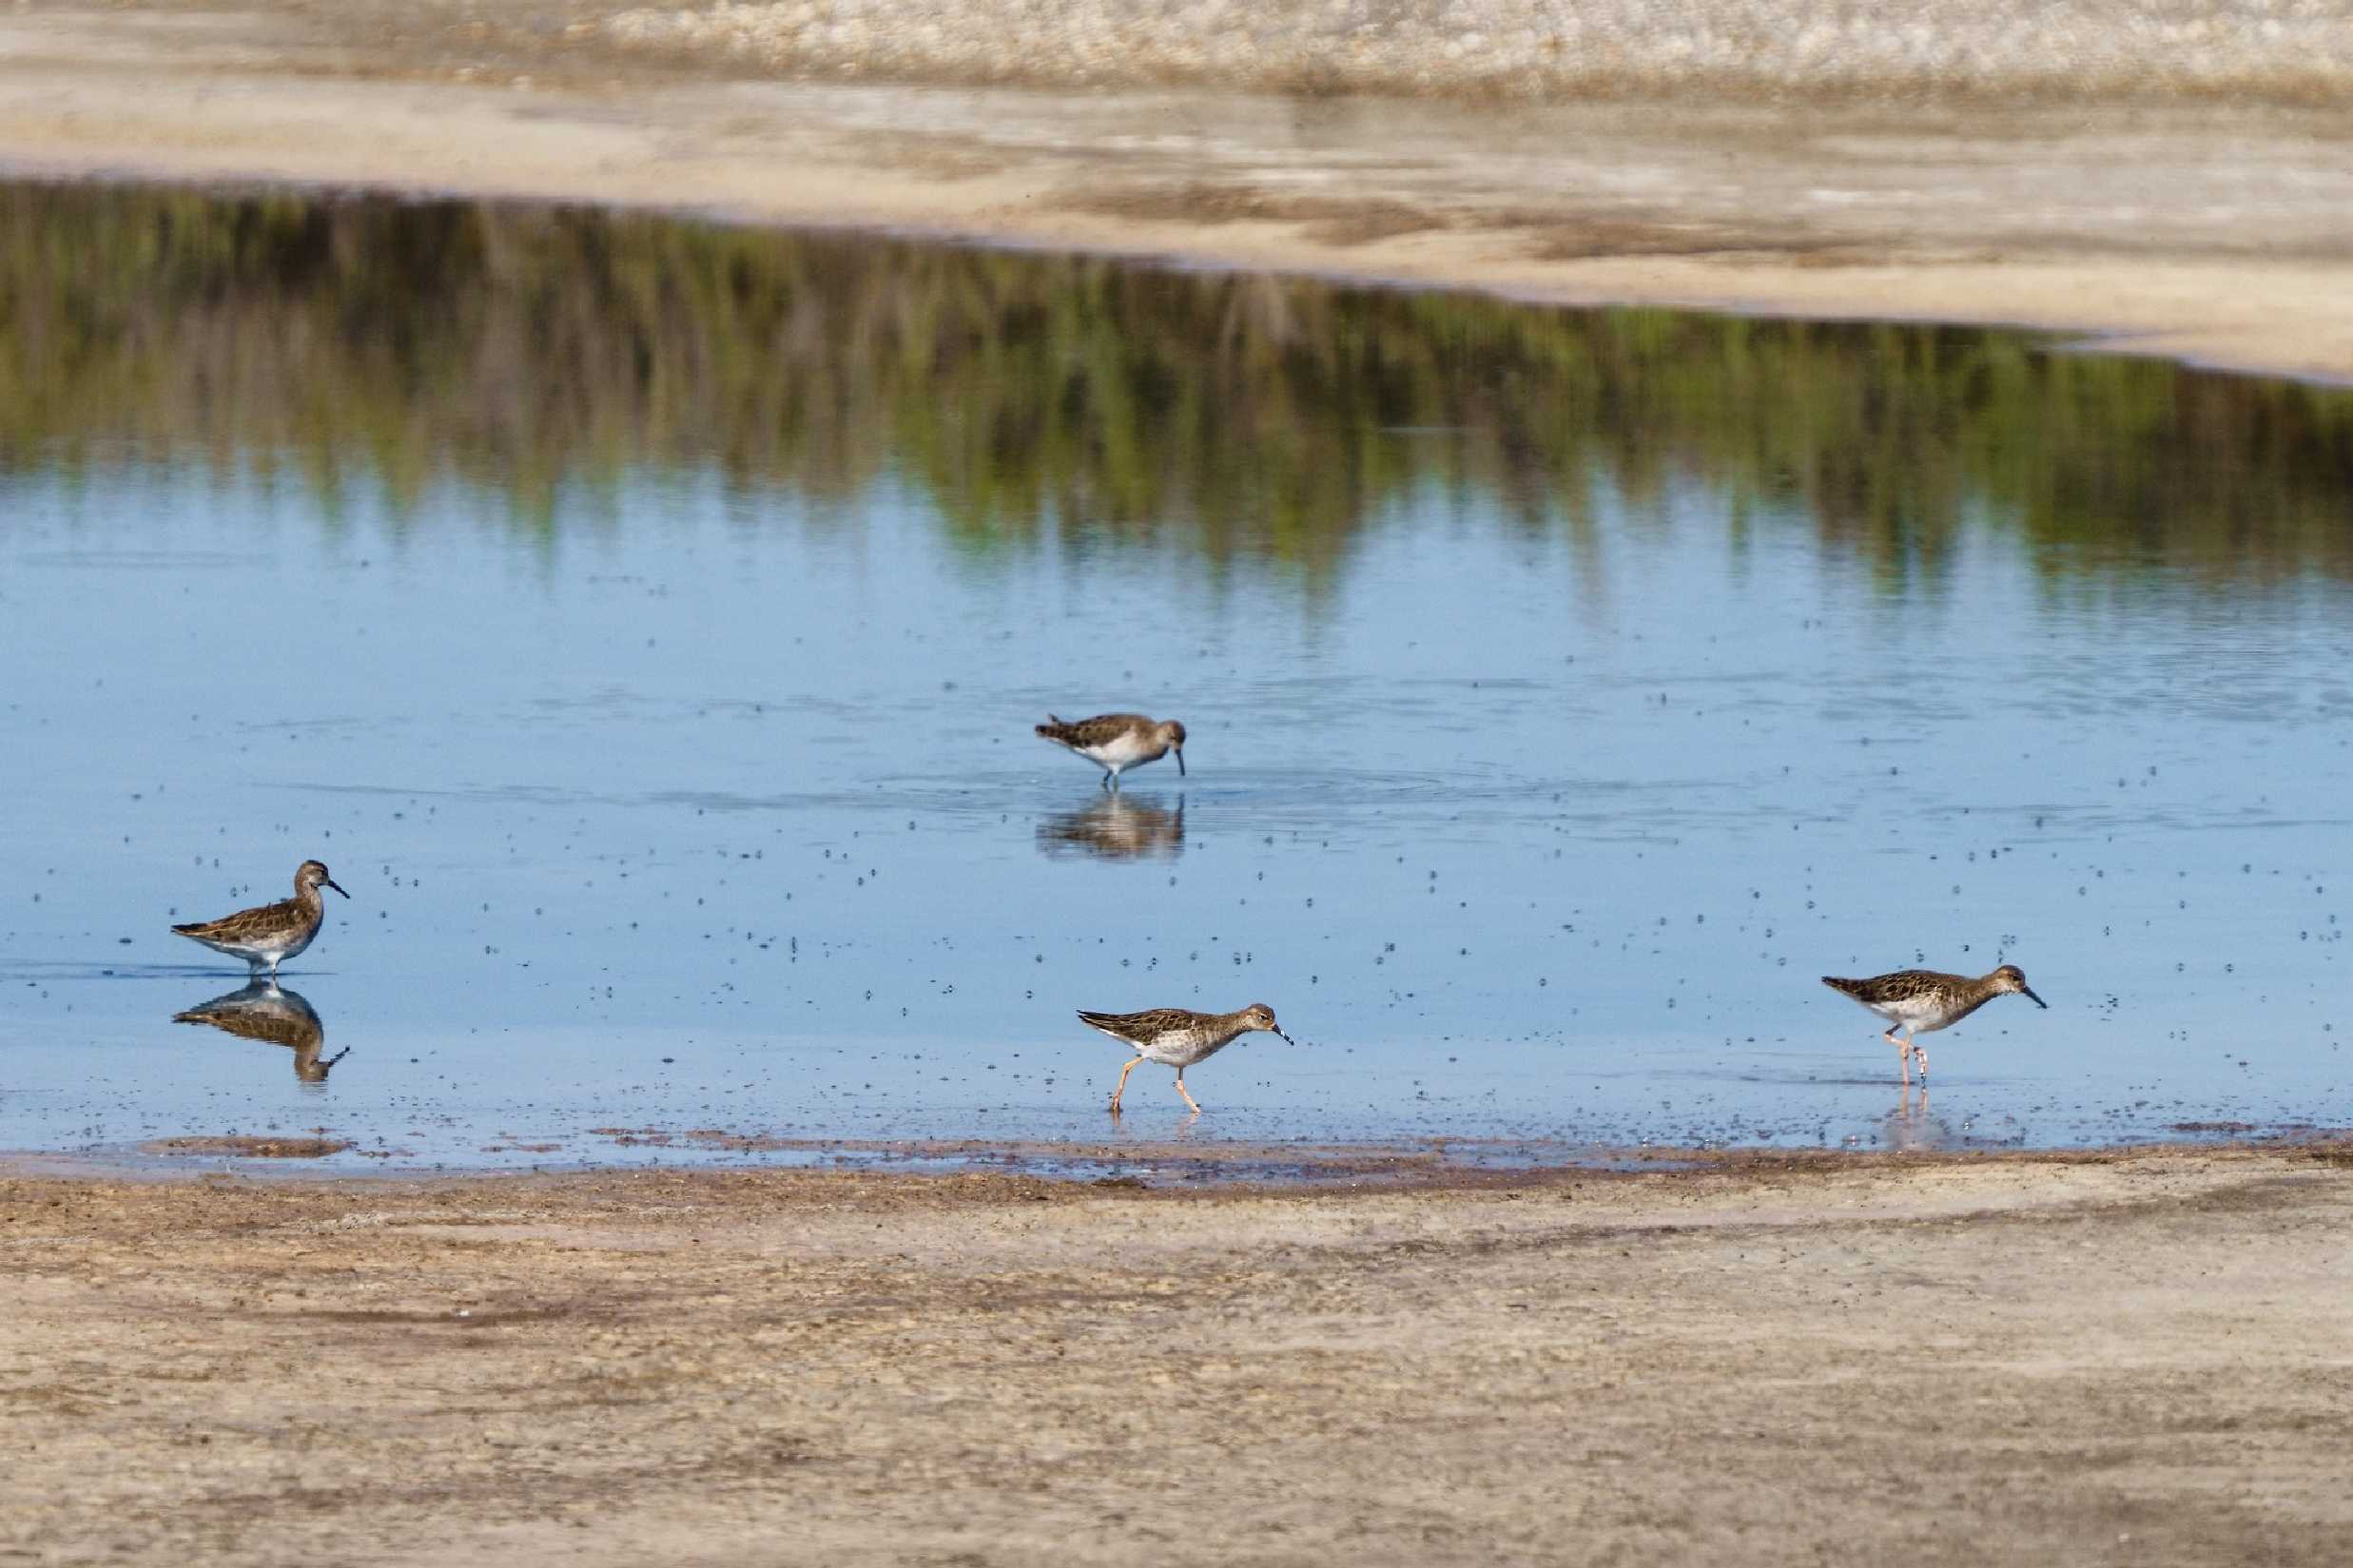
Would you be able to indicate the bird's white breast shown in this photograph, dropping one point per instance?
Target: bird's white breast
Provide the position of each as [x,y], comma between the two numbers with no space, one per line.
[1123,750]
[1911,1010]
[1184,1050]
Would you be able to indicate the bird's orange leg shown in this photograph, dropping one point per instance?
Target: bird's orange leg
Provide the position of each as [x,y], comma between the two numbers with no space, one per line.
[1121,1087]
[1187,1093]
[1904,1046]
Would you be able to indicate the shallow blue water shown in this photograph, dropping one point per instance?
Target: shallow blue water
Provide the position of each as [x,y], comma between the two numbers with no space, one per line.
[716,807]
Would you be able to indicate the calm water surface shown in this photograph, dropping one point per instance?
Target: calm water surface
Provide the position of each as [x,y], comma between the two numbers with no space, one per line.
[646,622]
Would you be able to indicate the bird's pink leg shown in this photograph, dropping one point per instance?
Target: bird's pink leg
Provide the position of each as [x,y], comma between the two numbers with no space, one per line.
[1187,1093]
[1122,1088]
[1904,1046]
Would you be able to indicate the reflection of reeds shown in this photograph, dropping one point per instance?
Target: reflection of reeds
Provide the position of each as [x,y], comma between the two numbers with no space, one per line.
[1234,418]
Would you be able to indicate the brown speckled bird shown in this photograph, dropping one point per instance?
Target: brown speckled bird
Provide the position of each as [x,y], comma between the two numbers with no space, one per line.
[1177,1038]
[1920,1001]
[1116,742]
[273,933]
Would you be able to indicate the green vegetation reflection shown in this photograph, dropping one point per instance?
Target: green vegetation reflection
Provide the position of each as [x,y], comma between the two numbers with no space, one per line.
[543,353]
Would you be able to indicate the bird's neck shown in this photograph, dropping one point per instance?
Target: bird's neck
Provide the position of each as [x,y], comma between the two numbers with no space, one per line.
[1971,995]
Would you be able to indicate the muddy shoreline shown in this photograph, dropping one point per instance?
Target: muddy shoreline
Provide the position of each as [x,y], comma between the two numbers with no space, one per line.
[1181,1165]
[2129,1359]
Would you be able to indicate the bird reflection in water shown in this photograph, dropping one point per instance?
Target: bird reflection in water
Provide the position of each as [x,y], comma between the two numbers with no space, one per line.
[1909,1127]
[265,1011]
[1116,828]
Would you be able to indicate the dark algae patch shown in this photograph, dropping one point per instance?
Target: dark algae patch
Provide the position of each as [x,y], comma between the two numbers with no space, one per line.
[246,1145]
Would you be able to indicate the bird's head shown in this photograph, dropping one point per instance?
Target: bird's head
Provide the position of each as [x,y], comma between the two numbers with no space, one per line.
[2010,977]
[313,874]
[1172,736]
[1259,1016]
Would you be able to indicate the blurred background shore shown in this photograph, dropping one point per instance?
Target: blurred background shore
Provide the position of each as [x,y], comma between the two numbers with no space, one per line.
[2172,178]
[2243,51]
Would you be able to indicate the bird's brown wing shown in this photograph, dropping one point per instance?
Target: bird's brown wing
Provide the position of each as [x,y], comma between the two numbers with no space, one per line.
[1157,1021]
[1894,988]
[1100,730]
[245,924]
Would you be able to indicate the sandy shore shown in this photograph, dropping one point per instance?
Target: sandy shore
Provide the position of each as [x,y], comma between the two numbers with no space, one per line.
[2214,233]
[2111,1360]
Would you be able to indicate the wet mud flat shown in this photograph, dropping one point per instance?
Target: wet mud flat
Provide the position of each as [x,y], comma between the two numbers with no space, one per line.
[2122,1356]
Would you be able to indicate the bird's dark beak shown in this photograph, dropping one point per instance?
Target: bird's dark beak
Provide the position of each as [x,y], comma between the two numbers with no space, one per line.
[1180,762]
[2031,997]
[331,882]
[1287,1040]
